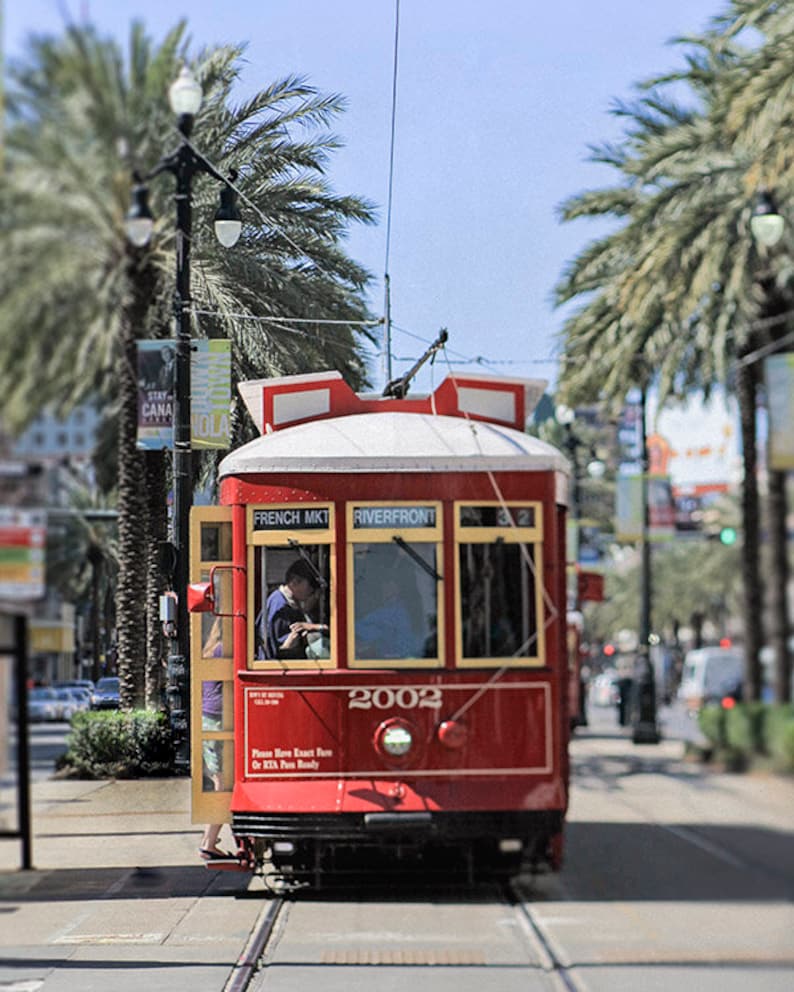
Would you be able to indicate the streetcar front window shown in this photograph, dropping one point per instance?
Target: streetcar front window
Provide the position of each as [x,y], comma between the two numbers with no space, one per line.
[497,592]
[499,568]
[395,584]
[395,601]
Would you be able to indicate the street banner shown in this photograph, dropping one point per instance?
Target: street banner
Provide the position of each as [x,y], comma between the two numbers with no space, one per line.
[628,513]
[629,433]
[210,386]
[779,370]
[156,364]
[210,389]
[23,538]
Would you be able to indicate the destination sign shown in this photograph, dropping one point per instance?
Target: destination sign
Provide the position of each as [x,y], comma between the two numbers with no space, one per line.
[293,518]
[370,517]
[497,516]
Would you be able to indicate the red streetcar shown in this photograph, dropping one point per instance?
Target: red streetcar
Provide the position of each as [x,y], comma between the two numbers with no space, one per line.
[379,602]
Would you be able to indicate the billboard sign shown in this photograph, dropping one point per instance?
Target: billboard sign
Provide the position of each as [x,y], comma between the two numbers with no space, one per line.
[23,538]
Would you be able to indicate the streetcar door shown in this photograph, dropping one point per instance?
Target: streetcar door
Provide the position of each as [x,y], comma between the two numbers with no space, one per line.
[211,668]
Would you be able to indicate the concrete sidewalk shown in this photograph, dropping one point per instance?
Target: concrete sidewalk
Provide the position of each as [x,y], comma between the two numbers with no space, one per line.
[118,897]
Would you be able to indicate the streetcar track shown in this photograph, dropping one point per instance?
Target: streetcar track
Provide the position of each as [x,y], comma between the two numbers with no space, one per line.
[250,958]
[540,943]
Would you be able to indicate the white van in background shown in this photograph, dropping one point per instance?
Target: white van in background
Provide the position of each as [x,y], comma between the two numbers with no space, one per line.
[709,674]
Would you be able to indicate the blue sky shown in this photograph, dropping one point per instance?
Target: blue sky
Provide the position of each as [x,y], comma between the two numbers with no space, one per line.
[497,104]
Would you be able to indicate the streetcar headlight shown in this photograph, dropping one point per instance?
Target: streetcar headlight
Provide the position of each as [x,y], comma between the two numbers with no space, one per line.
[396,740]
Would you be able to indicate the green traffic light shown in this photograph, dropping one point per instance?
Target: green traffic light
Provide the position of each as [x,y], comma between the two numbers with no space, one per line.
[728,535]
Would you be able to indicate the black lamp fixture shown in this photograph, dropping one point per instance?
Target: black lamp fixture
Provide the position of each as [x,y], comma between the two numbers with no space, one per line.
[184,97]
[766,221]
[139,221]
[228,219]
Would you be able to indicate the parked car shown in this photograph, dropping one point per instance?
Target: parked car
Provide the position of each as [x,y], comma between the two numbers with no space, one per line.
[66,703]
[43,705]
[106,694]
[74,684]
[82,698]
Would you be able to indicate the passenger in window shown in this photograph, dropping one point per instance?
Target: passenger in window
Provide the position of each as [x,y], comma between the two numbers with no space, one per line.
[283,629]
[387,630]
[318,643]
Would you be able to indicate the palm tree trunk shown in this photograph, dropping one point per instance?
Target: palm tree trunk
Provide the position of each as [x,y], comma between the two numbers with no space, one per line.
[746,388]
[96,587]
[131,589]
[778,586]
[155,584]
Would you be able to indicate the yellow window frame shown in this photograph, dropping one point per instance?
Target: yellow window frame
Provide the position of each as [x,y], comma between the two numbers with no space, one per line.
[384,535]
[509,534]
[280,538]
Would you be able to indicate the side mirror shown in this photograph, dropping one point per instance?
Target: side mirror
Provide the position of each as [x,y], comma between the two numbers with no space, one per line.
[200,597]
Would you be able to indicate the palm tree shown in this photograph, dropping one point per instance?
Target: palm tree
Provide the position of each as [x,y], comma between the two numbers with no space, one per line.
[82,557]
[74,296]
[676,284]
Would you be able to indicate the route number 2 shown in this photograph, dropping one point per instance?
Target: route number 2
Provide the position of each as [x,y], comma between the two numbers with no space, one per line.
[383,698]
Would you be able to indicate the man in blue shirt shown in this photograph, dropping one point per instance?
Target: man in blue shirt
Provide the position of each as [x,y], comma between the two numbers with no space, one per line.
[285,623]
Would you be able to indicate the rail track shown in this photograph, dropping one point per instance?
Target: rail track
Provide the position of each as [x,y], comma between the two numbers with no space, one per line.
[475,936]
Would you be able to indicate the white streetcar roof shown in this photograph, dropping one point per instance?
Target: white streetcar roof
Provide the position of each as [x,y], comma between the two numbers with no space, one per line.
[393,441]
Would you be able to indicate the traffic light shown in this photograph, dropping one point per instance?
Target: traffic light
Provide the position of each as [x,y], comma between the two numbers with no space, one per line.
[728,535]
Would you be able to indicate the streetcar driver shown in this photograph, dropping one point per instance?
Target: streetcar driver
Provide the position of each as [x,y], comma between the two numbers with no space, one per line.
[282,628]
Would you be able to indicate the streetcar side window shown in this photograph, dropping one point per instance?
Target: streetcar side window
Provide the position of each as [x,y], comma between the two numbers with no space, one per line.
[499,584]
[291,579]
[394,585]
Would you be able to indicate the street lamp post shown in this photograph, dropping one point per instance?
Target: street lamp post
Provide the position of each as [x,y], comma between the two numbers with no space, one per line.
[767,226]
[185,99]
[565,416]
[645,729]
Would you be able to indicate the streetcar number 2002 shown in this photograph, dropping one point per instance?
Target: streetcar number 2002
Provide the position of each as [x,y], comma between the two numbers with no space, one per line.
[383,698]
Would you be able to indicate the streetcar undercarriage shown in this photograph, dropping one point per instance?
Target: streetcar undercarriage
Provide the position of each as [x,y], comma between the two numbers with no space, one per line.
[292,851]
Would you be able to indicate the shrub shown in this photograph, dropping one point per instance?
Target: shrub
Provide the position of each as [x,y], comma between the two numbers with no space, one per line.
[751,734]
[785,754]
[778,735]
[119,744]
[743,728]
[711,720]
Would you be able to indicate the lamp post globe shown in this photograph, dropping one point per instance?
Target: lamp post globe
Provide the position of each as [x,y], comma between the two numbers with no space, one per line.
[766,222]
[139,222]
[564,414]
[184,94]
[228,219]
